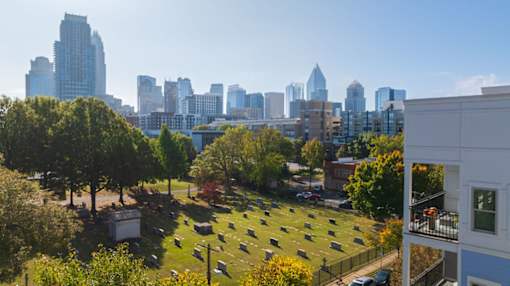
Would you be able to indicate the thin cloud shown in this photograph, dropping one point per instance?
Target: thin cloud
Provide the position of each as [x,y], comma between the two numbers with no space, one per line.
[472,84]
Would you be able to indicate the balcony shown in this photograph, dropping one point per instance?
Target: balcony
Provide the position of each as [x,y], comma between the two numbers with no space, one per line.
[428,217]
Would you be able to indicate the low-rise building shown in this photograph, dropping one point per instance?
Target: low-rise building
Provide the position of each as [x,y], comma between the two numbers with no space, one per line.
[337,173]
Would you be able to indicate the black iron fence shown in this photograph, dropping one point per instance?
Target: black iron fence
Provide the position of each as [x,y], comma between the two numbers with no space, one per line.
[431,276]
[336,270]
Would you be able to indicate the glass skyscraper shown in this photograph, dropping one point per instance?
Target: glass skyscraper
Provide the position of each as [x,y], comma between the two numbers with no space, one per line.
[294,91]
[40,79]
[355,100]
[150,98]
[97,42]
[236,97]
[385,94]
[184,91]
[316,85]
[74,59]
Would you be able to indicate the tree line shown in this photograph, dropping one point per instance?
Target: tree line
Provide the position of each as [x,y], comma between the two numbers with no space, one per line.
[83,144]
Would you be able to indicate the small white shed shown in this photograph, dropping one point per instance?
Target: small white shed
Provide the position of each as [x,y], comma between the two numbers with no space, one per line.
[125,224]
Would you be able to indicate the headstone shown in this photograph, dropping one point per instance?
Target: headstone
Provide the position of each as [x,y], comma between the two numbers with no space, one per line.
[267,213]
[308,225]
[260,201]
[231,225]
[292,210]
[222,266]
[214,218]
[359,241]
[177,242]
[243,246]
[335,245]
[332,221]
[302,253]
[203,228]
[245,215]
[197,253]
[273,241]
[356,228]
[174,273]
[172,215]
[221,237]
[311,215]
[154,260]
[331,232]
[251,232]
[158,231]
[308,236]
[268,254]
[250,207]
[186,221]
[263,221]
[274,205]
[284,229]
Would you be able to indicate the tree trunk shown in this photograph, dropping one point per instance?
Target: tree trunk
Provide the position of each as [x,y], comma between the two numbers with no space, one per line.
[121,195]
[93,211]
[170,186]
[310,181]
[71,202]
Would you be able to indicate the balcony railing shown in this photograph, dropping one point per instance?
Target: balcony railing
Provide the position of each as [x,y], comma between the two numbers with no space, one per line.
[429,218]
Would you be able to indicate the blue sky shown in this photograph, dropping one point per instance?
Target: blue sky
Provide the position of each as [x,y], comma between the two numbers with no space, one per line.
[431,48]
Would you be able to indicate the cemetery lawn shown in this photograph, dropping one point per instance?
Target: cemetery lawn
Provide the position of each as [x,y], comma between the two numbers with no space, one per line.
[239,262]
[162,186]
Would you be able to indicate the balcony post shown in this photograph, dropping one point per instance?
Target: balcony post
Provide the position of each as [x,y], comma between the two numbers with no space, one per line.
[408,188]
[406,262]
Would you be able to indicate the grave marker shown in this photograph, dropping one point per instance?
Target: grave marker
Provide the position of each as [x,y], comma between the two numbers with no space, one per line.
[263,221]
[332,221]
[243,246]
[245,215]
[177,242]
[174,273]
[283,228]
[359,241]
[222,266]
[302,253]
[268,254]
[331,232]
[308,236]
[308,225]
[267,213]
[251,232]
[274,205]
[197,253]
[356,228]
[335,245]
[221,237]
[292,210]
[273,241]
[311,215]
[231,225]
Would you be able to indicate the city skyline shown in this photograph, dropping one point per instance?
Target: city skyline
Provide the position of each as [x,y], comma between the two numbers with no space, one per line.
[467,58]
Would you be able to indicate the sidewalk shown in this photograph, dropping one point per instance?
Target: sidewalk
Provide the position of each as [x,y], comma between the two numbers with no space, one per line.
[367,269]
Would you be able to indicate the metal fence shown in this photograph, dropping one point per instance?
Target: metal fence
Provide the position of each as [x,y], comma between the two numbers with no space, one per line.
[336,270]
[431,276]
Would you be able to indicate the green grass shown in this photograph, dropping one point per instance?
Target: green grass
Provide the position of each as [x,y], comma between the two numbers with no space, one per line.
[162,186]
[238,262]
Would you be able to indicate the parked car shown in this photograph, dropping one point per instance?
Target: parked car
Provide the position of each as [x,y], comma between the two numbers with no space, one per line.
[317,189]
[382,277]
[345,204]
[308,196]
[363,281]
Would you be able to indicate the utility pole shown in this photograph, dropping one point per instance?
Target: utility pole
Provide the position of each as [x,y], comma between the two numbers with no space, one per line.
[209,264]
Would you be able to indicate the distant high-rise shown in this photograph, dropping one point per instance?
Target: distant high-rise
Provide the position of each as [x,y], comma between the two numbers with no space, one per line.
[294,91]
[40,79]
[316,85]
[150,98]
[385,94]
[274,105]
[97,42]
[355,100]
[74,59]
[205,104]
[337,109]
[236,97]
[256,105]
[216,89]
[170,94]
[184,90]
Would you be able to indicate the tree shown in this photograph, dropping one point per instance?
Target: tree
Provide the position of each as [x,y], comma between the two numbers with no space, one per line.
[313,154]
[210,192]
[297,145]
[384,144]
[189,149]
[201,127]
[202,171]
[186,279]
[389,238]
[279,271]
[422,258]
[358,148]
[376,188]
[28,226]
[172,157]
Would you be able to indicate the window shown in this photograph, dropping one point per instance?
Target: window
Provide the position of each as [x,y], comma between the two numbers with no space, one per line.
[472,281]
[484,210]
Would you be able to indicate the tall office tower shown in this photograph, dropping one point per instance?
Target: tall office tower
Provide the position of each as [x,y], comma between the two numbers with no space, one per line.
[255,105]
[100,64]
[274,105]
[216,88]
[184,90]
[74,59]
[295,108]
[170,94]
[385,94]
[316,85]
[150,98]
[355,100]
[316,121]
[236,97]
[40,79]
[337,109]
[293,91]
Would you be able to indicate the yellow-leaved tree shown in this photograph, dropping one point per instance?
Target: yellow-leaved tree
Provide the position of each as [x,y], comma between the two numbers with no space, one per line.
[280,271]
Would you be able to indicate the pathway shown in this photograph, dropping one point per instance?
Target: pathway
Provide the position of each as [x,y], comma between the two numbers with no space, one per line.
[367,269]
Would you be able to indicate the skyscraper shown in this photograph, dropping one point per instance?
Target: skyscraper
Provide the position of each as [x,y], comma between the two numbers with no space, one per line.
[40,79]
[205,104]
[337,109]
[184,90]
[256,104]
[316,85]
[74,59]
[274,105]
[150,98]
[100,78]
[293,91]
[385,94]
[216,89]
[236,97]
[170,94]
[355,100]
